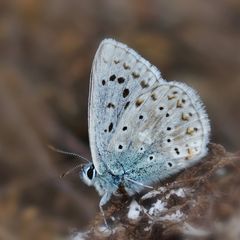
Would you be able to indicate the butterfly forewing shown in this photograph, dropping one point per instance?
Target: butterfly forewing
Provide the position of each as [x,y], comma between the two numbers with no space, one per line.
[119,75]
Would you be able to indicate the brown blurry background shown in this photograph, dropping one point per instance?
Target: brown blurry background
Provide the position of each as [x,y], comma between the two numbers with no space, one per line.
[46,51]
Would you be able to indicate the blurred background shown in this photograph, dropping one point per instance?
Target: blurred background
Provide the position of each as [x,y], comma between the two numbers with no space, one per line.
[46,51]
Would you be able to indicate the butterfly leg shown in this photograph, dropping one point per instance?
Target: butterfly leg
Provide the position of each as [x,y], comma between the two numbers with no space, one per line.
[105,198]
[138,183]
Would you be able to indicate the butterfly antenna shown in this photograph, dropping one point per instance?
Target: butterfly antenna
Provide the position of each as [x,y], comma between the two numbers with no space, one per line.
[70,170]
[68,153]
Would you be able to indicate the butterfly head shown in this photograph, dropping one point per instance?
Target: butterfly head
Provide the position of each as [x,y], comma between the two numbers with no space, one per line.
[88,174]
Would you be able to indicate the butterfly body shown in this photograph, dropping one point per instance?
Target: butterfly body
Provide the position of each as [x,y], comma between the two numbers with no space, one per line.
[142,128]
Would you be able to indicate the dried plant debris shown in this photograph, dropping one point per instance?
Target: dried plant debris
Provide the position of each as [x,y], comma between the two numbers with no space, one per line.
[199,203]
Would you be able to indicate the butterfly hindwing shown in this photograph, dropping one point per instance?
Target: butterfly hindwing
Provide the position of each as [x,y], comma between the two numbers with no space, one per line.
[167,132]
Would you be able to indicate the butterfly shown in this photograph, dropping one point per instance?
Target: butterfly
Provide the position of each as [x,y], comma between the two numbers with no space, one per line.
[142,128]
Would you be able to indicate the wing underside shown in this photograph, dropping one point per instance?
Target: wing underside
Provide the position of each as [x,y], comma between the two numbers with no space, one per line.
[139,124]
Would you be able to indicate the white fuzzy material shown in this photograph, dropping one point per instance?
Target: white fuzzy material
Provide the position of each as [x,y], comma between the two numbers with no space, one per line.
[134,210]
[157,208]
[174,217]
[179,192]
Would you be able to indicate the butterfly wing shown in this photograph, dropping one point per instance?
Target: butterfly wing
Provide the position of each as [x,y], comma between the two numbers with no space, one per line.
[118,76]
[167,129]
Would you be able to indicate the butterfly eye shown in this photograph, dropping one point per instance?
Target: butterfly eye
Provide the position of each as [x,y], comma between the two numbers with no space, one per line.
[90,172]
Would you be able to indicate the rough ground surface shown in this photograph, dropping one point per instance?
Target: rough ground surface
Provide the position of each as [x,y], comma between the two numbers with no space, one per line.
[200,203]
